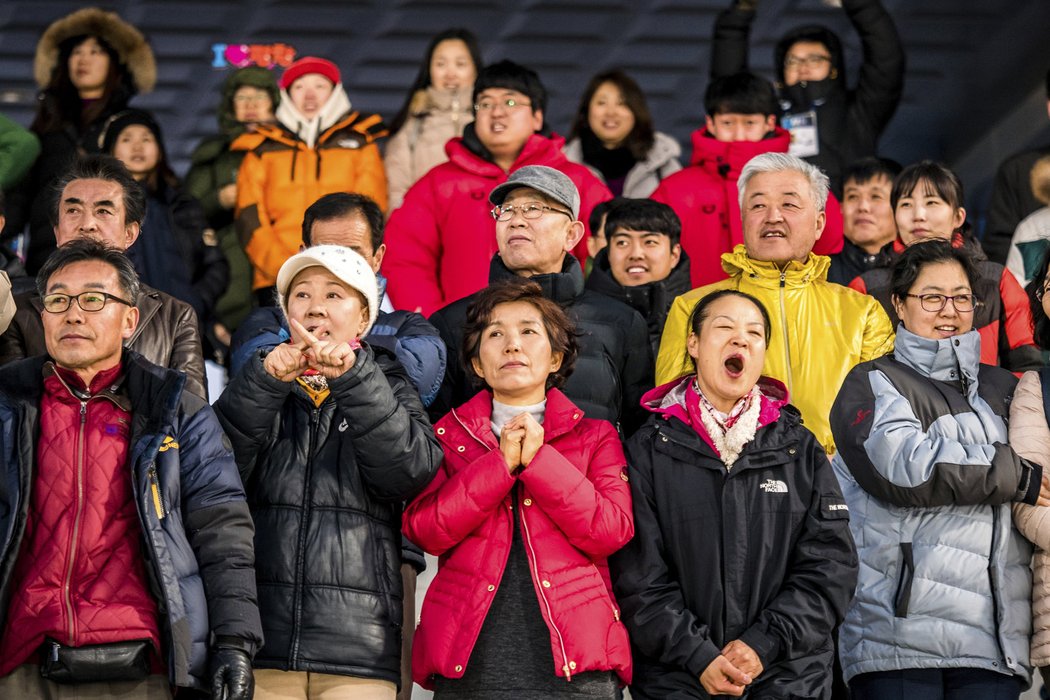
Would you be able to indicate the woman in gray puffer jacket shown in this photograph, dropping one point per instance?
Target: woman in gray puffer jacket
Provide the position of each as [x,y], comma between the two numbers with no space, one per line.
[942,603]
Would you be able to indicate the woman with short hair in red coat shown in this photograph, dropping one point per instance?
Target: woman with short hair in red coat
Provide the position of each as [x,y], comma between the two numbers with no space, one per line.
[530,500]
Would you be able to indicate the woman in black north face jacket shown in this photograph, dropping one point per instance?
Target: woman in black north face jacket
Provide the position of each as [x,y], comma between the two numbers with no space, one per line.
[330,438]
[742,561]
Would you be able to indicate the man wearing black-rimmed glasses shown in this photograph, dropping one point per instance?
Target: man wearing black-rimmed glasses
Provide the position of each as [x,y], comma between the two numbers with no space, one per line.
[537,212]
[127,545]
[97,198]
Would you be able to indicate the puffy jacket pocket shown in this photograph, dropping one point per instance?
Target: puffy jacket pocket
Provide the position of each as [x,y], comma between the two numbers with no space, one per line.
[904,581]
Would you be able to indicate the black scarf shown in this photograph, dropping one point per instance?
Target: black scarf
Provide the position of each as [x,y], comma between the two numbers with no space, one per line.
[612,163]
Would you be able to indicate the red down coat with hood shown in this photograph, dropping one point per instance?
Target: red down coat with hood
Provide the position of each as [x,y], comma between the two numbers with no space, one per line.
[575,510]
[705,197]
[441,240]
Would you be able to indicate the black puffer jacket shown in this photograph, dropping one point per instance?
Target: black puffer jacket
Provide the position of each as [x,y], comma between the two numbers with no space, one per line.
[761,553]
[849,122]
[652,300]
[325,487]
[167,335]
[615,364]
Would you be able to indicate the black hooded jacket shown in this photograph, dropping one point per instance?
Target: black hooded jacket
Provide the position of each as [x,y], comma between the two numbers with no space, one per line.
[652,300]
[761,553]
[849,122]
[615,364]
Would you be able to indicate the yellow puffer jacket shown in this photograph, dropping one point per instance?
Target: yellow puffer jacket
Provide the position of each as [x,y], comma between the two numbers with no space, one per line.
[820,331]
[281,176]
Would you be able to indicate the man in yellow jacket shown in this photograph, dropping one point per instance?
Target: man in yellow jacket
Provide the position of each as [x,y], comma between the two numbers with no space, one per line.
[820,330]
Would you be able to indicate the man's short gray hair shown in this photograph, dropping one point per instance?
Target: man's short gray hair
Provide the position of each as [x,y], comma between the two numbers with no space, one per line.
[783,162]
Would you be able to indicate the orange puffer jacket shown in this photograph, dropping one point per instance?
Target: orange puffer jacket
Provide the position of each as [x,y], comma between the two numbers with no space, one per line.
[281,176]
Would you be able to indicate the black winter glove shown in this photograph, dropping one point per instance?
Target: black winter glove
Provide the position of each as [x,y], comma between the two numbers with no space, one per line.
[231,674]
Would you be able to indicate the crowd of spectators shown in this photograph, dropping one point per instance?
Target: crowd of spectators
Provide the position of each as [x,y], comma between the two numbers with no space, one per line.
[766,420]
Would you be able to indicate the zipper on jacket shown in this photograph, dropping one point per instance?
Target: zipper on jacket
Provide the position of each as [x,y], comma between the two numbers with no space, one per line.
[66,594]
[543,597]
[993,585]
[300,557]
[154,488]
[784,325]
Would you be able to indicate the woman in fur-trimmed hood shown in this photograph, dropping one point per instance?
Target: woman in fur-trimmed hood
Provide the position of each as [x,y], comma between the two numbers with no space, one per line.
[89,65]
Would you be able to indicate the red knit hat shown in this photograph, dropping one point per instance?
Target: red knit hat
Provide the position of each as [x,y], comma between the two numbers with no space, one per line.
[310,64]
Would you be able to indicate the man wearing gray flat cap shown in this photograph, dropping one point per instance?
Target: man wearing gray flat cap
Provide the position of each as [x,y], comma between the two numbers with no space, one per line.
[537,225]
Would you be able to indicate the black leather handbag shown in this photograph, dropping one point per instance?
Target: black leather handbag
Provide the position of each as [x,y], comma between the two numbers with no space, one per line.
[120,661]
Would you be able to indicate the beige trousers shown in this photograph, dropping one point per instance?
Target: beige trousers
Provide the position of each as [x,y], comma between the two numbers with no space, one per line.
[298,685]
[25,682]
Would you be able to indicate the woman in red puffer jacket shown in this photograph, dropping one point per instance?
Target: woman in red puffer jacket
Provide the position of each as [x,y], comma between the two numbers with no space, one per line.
[522,606]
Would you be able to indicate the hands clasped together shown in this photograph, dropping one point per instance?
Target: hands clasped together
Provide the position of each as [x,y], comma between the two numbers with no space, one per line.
[732,671]
[289,360]
[520,440]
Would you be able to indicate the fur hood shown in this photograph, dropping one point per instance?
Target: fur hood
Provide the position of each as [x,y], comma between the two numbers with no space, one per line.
[129,43]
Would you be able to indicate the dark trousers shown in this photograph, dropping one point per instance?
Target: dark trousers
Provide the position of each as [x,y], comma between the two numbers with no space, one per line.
[935,684]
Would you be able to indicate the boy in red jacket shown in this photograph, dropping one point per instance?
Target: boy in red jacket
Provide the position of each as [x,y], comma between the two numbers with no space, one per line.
[741,123]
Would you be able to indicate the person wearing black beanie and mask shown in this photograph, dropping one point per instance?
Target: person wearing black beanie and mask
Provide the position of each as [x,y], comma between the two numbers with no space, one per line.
[831,125]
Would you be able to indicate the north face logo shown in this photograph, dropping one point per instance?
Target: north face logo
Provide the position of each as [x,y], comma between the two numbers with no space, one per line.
[773,486]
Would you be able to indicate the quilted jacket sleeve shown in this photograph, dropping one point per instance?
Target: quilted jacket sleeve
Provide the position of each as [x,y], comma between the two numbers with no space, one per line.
[220,530]
[248,410]
[457,502]
[592,508]
[1030,437]
[884,446]
[397,452]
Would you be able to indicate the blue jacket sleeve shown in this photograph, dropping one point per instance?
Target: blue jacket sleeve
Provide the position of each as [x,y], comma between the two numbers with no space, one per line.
[220,530]
[417,345]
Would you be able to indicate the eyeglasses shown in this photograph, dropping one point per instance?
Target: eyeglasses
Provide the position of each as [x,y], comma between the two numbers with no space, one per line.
[248,99]
[88,301]
[529,210]
[963,303]
[813,60]
[509,103]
